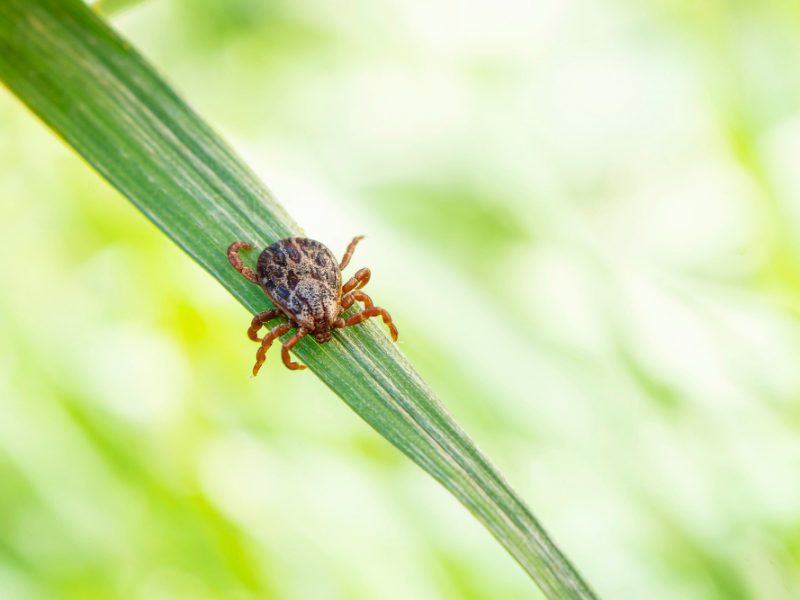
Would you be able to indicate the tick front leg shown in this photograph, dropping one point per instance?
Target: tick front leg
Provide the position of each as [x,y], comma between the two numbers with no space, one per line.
[260,320]
[274,334]
[288,345]
[349,252]
[357,281]
[236,262]
[349,298]
[373,311]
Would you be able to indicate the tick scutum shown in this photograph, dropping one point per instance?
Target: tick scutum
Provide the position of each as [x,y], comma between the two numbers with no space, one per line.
[303,278]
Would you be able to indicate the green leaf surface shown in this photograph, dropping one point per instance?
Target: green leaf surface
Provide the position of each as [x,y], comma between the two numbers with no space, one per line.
[106,102]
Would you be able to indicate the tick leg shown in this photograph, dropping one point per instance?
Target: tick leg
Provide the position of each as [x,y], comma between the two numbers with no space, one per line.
[274,334]
[372,311]
[260,320]
[349,252]
[350,297]
[233,258]
[357,281]
[288,345]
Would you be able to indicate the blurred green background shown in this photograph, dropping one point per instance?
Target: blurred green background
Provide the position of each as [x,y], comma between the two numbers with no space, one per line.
[583,216]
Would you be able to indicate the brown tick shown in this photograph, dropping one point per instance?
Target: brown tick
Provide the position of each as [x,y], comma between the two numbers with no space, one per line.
[303,280]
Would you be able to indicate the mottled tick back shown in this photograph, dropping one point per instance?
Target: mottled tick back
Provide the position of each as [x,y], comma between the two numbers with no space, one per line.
[302,277]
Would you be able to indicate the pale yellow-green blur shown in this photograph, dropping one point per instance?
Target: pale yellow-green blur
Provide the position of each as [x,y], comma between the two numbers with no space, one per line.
[584,217]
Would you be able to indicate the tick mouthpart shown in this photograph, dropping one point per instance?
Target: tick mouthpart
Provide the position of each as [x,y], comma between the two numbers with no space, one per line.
[322,336]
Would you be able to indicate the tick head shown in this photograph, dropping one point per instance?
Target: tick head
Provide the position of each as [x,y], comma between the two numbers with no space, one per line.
[323,336]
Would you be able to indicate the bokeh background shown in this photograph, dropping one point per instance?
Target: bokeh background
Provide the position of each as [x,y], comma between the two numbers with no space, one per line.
[584,216]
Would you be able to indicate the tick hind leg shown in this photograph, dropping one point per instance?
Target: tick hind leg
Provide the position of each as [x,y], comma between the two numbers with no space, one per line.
[288,345]
[274,334]
[349,252]
[260,320]
[236,262]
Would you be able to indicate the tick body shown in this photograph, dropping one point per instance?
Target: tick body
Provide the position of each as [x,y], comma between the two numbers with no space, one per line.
[303,279]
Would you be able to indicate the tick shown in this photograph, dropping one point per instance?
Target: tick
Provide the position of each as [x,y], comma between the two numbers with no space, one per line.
[304,281]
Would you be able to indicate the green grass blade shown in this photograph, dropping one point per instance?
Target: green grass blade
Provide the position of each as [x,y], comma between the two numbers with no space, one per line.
[106,102]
